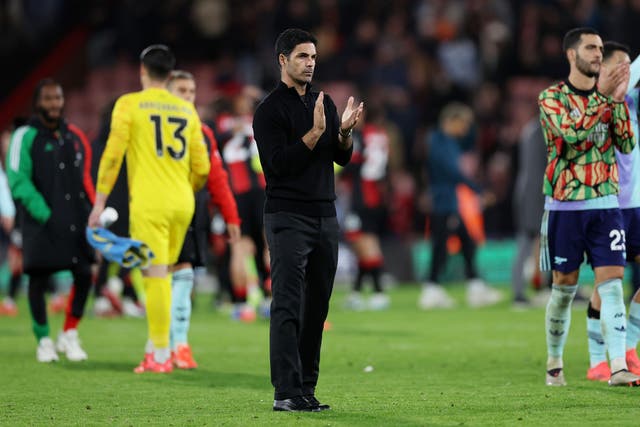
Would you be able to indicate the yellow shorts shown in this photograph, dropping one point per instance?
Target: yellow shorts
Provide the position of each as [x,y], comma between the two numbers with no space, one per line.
[162,231]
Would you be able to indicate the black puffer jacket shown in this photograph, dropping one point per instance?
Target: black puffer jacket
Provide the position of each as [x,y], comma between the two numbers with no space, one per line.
[49,176]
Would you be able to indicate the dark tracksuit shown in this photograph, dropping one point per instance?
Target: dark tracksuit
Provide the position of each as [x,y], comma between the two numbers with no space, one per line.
[444,176]
[302,231]
[49,176]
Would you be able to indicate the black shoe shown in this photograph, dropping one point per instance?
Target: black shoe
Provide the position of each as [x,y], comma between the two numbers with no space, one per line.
[294,404]
[316,403]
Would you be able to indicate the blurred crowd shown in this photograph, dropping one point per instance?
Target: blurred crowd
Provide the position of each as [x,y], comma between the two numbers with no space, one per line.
[407,59]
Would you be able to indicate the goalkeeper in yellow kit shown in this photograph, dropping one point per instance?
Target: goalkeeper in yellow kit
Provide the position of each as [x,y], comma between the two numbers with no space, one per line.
[166,162]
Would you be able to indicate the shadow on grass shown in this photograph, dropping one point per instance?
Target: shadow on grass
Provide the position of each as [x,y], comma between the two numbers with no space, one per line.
[377,332]
[218,379]
[7,331]
[189,378]
[97,365]
[340,416]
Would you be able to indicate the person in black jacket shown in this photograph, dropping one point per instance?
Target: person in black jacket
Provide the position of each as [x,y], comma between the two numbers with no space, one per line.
[48,167]
[299,136]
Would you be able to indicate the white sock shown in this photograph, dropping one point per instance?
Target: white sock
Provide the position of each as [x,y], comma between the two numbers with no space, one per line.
[161,355]
[557,322]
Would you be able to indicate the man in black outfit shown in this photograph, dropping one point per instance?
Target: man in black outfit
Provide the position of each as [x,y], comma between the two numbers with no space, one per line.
[299,136]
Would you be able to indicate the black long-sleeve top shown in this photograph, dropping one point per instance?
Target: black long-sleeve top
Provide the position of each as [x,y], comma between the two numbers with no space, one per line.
[299,180]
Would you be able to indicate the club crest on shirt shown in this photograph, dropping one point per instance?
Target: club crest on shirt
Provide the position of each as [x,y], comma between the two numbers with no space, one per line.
[575,113]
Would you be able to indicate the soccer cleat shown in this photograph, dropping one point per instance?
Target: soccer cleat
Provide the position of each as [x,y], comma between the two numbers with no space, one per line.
[294,404]
[46,351]
[102,307]
[633,363]
[354,302]
[555,377]
[379,301]
[69,344]
[481,295]
[624,378]
[600,372]
[132,309]
[146,362]
[149,364]
[182,357]
[434,296]
[8,308]
[244,313]
[113,298]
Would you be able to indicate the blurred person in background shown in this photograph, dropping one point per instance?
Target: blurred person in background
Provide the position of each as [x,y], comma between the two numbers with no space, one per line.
[249,258]
[629,201]
[368,214]
[445,148]
[528,204]
[584,119]
[194,250]
[48,168]
[10,252]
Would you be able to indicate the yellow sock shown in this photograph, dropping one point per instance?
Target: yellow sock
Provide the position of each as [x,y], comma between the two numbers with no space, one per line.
[137,281]
[158,290]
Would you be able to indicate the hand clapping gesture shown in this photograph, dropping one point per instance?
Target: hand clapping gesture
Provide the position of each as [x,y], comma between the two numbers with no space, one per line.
[613,81]
[350,116]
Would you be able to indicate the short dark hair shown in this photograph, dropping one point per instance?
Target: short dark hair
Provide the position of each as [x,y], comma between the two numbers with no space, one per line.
[572,38]
[611,47]
[290,38]
[38,90]
[158,61]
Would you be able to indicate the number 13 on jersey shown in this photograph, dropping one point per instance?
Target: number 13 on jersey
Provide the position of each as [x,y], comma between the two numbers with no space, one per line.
[178,124]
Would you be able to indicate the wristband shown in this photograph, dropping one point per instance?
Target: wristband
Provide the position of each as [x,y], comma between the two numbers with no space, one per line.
[346,134]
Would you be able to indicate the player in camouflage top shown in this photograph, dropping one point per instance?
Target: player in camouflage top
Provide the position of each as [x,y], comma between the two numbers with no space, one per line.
[583,125]
[580,146]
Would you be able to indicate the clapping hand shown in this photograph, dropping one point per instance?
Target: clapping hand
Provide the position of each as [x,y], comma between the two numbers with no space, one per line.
[351,115]
[319,120]
[621,90]
[613,81]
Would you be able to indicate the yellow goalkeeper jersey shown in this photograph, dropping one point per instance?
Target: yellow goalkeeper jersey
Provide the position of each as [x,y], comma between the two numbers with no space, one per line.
[166,155]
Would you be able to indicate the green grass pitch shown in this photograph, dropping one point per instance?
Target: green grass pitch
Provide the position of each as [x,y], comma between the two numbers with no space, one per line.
[450,368]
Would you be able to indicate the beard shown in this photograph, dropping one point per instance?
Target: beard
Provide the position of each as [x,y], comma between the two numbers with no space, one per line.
[585,67]
[300,79]
[48,119]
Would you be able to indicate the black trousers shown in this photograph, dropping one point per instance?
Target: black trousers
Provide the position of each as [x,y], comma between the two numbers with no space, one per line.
[304,258]
[39,282]
[443,226]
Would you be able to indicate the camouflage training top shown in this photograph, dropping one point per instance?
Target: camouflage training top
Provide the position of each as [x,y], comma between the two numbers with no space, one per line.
[581,129]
